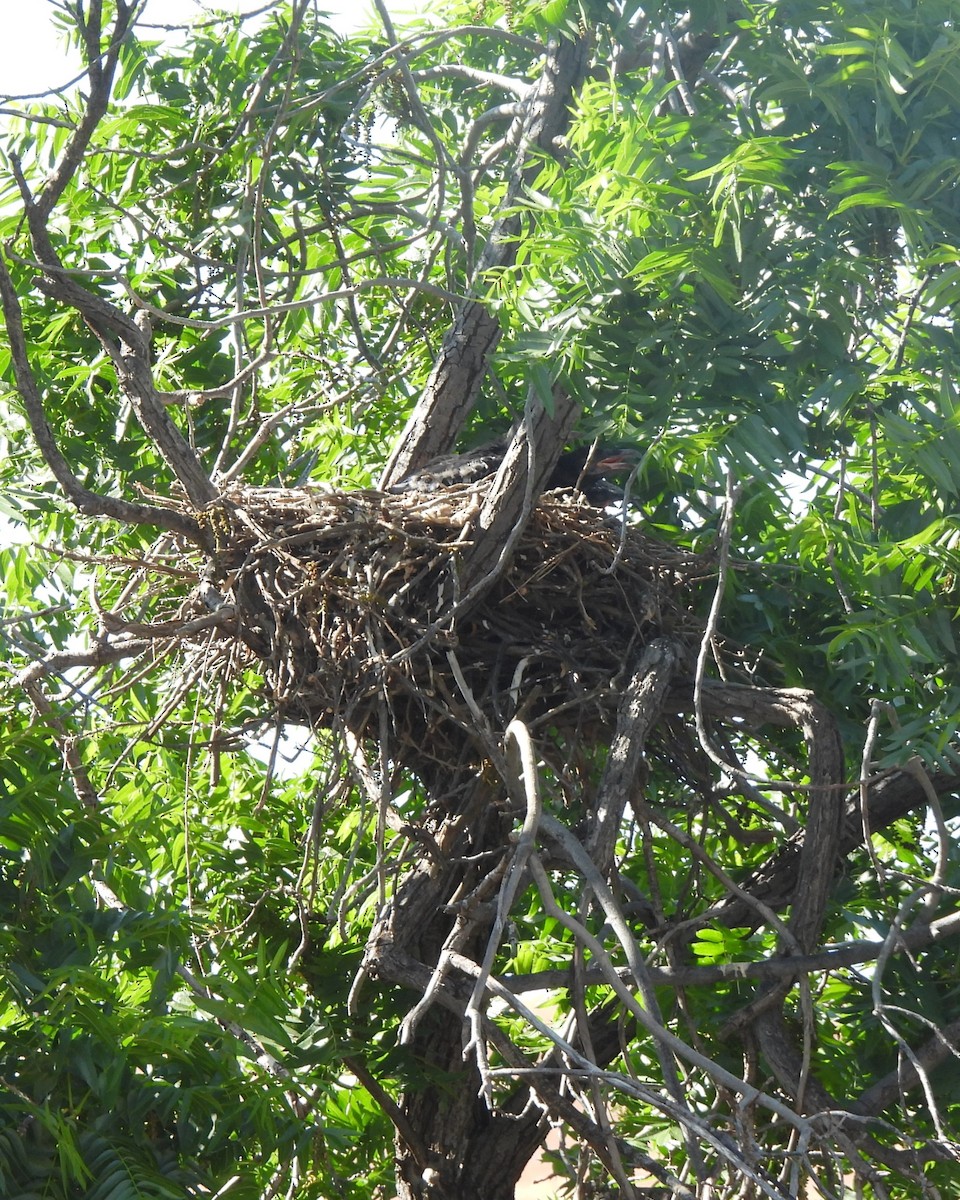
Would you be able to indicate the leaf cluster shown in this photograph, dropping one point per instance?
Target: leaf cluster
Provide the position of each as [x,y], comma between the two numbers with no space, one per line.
[748,272]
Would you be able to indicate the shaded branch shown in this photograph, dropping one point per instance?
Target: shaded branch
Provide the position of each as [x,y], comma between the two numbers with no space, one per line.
[639,710]
[86,501]
[788,966]
[786,1062]
[941,1046]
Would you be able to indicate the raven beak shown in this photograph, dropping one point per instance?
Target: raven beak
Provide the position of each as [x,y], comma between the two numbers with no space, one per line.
[617,460]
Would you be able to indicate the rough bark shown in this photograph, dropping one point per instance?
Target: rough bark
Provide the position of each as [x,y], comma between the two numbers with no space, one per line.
[640,709]
[813,853]
[469,344]
[445,1111]
[526,467]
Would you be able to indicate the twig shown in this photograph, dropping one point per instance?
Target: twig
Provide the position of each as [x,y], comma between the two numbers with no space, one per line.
[880,1008]
[713,619]
[876,707]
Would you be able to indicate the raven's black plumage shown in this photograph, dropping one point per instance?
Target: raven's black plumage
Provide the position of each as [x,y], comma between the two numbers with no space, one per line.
[571,469]
[451,469]
[576,468]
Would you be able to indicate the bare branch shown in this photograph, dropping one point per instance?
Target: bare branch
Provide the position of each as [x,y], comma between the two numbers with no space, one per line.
[639,709]
[101,67]
[88,502]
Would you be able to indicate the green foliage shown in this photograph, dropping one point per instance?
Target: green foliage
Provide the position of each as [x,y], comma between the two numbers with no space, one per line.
[761,283]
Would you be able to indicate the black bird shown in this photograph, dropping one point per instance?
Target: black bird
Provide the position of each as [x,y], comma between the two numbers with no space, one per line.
[570,471]
[451,469]
[576,468]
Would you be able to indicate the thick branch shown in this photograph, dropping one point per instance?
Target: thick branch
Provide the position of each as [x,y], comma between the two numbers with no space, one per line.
[128,344]
[639,710]
[526,467]
[821,839]
[470,342]
[450,392]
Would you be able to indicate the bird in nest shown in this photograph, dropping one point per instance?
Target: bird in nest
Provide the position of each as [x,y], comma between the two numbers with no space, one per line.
[579,468]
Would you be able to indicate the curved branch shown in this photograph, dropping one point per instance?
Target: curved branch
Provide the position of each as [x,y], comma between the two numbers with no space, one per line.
[101,67]
[87,502]
[802,871]
[127,342]
[777,883]
[506,83]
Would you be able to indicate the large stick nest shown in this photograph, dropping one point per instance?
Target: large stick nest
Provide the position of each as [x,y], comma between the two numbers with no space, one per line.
[351,599]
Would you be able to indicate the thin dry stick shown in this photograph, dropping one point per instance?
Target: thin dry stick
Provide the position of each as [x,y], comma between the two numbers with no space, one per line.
[876,707]
[581,1022]
[622,1082]
[710,631]
[880,1007]
[719,1074]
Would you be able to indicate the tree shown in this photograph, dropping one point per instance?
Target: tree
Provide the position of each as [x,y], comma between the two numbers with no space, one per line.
[355,838]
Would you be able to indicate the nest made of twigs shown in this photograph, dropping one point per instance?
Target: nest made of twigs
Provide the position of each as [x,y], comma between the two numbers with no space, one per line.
[353,599]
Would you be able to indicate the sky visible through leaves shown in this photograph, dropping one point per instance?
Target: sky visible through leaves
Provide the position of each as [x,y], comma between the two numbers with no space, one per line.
[34,57]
